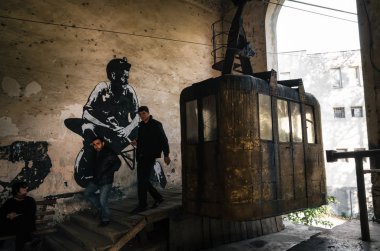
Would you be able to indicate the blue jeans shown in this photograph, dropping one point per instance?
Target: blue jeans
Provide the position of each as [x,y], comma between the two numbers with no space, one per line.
[100,201]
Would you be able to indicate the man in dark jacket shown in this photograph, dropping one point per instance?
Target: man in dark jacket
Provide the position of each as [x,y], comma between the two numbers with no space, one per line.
[105,164]
[18,215]
[151,142]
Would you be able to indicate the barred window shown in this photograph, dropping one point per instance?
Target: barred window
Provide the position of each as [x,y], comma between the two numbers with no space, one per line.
[339,112]
[357,111]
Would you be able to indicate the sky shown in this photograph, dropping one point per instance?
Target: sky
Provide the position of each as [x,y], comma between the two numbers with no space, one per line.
[299,30]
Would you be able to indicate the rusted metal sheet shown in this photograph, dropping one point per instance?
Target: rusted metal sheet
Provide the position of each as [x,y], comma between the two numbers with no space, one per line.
[235,174]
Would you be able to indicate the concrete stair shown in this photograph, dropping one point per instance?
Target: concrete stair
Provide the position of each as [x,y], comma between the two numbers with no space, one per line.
[147,230]
[82,232]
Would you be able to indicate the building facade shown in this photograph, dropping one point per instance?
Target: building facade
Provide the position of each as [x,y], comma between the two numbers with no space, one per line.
[335,79]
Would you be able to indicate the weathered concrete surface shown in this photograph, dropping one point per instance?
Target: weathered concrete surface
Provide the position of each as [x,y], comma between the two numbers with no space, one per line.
[54,53]
[289,237]
[345,237]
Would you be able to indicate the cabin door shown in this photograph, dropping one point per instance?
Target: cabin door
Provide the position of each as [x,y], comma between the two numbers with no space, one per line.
[291,153]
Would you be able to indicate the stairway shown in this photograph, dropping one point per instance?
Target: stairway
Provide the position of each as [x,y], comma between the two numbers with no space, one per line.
[147,230]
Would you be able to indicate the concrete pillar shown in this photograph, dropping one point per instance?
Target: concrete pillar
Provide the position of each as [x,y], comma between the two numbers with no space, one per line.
[260,21]
[369,31]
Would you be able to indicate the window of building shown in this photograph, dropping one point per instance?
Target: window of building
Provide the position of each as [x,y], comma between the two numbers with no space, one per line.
[192,121]
[336,76]
[265,117]
[354,74]
[295,111]
[357,111]
[284,76]
[342,150]
[339,112]
[283,121]
[310,128]
[209,118]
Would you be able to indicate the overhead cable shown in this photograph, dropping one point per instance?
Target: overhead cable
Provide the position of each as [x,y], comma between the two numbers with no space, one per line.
[318,13]
[101,30]
[323,7]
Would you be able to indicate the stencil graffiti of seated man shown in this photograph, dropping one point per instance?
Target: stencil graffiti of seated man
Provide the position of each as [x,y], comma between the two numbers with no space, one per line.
[110,113]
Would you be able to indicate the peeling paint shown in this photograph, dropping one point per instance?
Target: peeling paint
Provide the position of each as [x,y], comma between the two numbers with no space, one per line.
[7,128]
[11,86]
[71,111]
[32,88]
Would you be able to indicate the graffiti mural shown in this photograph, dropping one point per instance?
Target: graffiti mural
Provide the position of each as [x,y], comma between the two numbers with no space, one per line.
[110,113]
[37,163]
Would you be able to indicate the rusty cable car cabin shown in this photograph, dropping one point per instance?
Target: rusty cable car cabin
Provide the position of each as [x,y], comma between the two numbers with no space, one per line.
[251,147]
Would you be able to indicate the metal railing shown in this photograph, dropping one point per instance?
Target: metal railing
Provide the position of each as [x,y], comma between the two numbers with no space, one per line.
[333,156]
[219,39]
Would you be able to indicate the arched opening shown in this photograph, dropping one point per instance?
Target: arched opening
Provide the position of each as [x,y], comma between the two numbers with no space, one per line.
[318,41]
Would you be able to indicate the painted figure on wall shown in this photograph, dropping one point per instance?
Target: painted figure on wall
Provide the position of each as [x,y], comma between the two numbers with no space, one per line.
[36,160]
[110,113]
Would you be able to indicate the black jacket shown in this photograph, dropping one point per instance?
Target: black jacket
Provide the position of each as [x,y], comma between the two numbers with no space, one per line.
[26,208]
[151,140]
[106,163]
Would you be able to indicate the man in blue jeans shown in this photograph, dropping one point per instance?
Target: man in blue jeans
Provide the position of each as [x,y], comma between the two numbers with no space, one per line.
[106,163]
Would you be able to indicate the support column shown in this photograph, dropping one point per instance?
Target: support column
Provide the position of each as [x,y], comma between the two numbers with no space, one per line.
[369,31]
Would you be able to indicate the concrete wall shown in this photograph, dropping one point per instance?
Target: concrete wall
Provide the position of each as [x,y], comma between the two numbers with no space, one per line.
[53,53]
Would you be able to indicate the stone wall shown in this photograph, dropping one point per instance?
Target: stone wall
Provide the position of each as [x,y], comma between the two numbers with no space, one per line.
[53,53]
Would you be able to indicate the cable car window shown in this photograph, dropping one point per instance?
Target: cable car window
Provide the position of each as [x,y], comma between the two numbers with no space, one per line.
[192,122]
[265,117]
[283,121]
[310,128]
[295,111]
[209,118]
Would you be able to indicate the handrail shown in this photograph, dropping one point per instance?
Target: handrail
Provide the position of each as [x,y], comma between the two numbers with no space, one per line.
[333,156]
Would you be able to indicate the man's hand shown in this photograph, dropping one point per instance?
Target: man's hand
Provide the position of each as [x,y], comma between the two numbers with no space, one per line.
[134,143]
[167,160]
[123,131]
[12,215]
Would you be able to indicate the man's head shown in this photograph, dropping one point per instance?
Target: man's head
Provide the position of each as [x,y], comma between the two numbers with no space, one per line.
[144,113]
[98,144]
[118,70]
[20,189]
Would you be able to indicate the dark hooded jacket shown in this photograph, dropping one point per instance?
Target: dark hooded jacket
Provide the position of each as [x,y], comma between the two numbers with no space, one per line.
[106,163]
[151,140]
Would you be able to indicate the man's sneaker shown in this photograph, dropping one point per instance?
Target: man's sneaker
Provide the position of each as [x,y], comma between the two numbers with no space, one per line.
[139,209]
[157,203]
[104,223]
